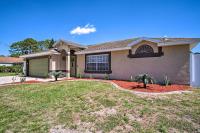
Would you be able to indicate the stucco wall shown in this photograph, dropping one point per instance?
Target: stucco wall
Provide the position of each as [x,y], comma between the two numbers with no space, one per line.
[57,62]
[174,64]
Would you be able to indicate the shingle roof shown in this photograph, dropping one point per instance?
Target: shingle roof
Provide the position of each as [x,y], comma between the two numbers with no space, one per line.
[43,53]
[126,43]
[110,45]
[10,60]
[69,43]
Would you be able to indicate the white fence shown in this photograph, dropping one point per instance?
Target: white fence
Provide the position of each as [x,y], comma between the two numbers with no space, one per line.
[195,70]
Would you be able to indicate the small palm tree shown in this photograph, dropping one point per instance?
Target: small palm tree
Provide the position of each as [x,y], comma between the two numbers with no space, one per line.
[145,79]
[56,75]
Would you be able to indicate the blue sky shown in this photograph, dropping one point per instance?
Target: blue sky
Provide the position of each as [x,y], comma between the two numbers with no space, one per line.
[108,19]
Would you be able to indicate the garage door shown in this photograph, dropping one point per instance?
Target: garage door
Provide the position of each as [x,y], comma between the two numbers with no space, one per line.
[38,67]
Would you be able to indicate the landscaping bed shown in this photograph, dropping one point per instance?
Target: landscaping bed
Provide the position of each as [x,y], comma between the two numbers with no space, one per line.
[150,87]
[135,86]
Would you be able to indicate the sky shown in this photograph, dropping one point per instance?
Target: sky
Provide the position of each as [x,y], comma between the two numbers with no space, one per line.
[95,21]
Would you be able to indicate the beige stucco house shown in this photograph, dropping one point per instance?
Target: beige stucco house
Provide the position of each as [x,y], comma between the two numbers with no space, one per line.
[119,59]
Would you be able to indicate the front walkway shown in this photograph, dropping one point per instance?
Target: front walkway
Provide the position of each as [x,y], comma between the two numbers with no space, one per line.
[16,79]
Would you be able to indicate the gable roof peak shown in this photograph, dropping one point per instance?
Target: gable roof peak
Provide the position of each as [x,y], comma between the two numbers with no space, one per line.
[144,39]
[69,43]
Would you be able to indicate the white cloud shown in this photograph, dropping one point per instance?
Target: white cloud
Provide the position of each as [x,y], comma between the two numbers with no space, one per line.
[87,29]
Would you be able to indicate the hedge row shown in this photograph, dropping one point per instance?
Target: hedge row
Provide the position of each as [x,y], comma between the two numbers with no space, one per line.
[13,69]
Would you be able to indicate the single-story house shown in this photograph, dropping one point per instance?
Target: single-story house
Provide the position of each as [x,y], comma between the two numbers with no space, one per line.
[10,61]
[118,59]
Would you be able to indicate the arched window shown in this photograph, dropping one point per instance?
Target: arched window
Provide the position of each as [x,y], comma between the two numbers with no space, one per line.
[144,49]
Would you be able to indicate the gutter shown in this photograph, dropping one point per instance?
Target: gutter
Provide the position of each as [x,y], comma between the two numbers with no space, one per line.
[100,51]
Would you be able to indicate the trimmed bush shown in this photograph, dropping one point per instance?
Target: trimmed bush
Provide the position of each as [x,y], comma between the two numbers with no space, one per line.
[11,69]
[106,76]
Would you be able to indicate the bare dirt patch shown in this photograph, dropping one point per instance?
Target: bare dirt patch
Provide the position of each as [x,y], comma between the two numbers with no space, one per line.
[105,112]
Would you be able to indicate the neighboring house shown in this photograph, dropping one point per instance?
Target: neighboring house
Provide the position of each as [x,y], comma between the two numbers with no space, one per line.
[120,59]
[10,61]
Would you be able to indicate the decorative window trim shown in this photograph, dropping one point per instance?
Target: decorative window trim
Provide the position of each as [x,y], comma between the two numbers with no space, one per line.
[101,72]
[144,49]
[158,54]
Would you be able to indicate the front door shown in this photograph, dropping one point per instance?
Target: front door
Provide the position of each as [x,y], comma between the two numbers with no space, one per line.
[72,66]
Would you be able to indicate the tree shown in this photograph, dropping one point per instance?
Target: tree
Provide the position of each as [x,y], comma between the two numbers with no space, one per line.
[30,45]
[26,46]
[46,44]
[145,79]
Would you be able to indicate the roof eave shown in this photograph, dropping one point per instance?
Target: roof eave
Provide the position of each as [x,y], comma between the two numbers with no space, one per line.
[173,44]
[103,50]
[71,43]
[135,42]
[40,54]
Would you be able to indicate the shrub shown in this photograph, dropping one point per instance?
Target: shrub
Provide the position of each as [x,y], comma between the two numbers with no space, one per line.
[166,80]
[22,79]
[131,79]
[18,68]
[11,69]
[106,76]
[91,76]
[56,75]
[14,78]
[145,79]
[79,75]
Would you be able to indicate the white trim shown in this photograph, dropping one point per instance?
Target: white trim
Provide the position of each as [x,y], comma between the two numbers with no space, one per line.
[163,44]
[143,39]
[104,50]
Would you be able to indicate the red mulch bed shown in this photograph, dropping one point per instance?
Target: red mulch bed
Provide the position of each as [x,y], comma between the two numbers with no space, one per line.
[150,87]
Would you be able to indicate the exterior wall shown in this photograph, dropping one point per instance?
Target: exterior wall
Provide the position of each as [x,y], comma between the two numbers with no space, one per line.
[174,64]
[57,63]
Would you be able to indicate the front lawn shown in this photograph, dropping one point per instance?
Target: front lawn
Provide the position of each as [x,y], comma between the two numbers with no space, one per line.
[7,74]
[94,106]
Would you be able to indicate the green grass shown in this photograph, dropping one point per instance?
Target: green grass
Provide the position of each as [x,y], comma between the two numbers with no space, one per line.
[7,74]
[81,105]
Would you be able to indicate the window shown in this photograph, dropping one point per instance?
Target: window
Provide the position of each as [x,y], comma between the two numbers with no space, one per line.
[144,49]
[98,63]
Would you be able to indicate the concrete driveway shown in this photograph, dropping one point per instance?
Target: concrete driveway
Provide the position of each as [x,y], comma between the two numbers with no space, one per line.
[13,79]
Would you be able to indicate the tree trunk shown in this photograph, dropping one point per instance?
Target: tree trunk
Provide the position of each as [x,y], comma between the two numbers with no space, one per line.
[145,85]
